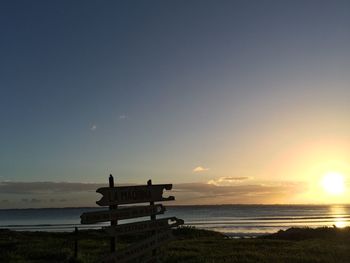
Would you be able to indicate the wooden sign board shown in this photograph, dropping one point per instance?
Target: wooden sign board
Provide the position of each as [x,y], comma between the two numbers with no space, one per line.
[131,253]
[121,213]
[143,226]
[133,194]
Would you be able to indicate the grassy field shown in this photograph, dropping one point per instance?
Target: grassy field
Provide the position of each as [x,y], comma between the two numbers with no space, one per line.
[190,246]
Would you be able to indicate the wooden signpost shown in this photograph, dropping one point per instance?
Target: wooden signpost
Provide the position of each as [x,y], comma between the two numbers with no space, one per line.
[159,230]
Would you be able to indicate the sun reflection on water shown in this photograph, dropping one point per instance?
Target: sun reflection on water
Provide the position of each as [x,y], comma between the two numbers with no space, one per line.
[339,212]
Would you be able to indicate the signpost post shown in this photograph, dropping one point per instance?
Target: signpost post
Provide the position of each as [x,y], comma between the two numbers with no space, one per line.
[153,218]
[112,207]
[159,229]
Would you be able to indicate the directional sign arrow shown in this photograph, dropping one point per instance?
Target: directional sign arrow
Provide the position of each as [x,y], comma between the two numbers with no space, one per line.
[143,226]
[121,213]
[133,194]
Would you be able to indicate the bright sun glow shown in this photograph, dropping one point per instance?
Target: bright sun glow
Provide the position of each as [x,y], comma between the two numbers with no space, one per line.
[333,183]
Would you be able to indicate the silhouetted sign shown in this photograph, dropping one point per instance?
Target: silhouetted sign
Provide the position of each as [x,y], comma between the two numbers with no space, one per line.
[133,194]
[156,231]
[144,226]
[121,213]
[135,251]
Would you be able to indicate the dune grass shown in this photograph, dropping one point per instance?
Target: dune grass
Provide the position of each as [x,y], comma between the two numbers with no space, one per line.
[322,245]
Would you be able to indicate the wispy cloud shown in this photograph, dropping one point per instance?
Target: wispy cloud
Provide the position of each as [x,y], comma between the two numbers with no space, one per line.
[93,127]
[33,200]
[201,193]
[224,181]
[200,169]
[123,117]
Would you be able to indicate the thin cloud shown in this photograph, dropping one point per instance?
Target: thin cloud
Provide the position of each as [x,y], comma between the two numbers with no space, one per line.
[93,127]
[200,169]
[202,193]
[33,200]
[46,187]
[228,180]
[123,117]
[84,194]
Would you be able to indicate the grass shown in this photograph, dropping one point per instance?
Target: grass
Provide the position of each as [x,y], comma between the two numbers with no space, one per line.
[304,245]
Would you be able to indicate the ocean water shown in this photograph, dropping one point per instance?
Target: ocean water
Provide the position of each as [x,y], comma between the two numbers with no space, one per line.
[233,220]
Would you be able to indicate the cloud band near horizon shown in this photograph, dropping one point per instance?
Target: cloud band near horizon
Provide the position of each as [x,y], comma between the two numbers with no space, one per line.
[58,194]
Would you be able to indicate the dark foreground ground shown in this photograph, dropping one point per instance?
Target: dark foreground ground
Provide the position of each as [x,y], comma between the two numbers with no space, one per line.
[190,246]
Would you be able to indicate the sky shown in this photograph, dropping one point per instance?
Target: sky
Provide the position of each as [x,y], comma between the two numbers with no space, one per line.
[231,101]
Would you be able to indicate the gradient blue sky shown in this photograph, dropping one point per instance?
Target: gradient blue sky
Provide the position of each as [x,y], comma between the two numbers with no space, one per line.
[156,89]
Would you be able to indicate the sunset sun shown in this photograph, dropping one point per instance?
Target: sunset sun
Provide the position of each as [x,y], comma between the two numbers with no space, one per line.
[333,183]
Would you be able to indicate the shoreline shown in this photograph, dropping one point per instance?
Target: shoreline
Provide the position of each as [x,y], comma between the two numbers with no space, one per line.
[184,205]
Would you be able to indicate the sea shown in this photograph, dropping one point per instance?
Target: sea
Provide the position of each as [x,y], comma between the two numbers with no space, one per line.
[232,220]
